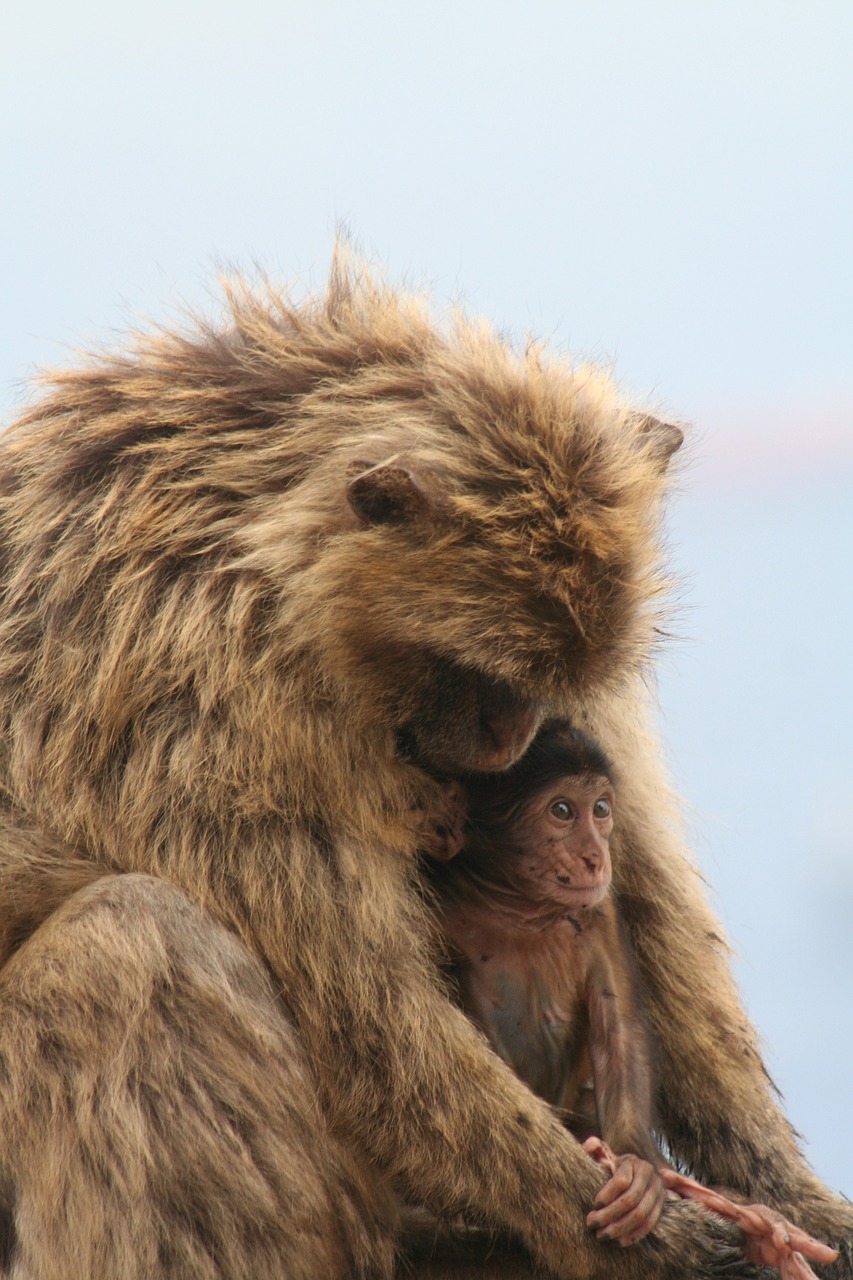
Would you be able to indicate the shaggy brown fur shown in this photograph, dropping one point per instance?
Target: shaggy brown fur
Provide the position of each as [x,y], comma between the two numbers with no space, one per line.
[253,583]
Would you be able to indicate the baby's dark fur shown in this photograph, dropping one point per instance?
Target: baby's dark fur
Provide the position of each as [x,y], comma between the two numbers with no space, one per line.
[220,624]
[494,800]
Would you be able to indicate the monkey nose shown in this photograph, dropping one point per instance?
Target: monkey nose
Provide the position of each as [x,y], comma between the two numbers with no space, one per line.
[508,736]
[591,859]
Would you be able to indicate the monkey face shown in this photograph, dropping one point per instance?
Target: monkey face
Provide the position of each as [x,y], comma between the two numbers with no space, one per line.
[563,841]
[462,721]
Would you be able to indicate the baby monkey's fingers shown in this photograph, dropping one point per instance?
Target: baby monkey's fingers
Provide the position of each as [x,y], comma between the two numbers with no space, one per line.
[614,1189]
[643,1219]
[630,1203]
[639,1221]
[771,1240]
[600,1153]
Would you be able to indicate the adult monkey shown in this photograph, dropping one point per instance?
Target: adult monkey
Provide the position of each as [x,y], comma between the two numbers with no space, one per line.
[255,585]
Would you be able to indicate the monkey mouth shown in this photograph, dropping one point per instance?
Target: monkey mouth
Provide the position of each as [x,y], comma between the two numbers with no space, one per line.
[581,895]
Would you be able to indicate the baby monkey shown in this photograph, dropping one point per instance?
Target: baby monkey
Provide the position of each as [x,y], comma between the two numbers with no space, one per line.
[541,963]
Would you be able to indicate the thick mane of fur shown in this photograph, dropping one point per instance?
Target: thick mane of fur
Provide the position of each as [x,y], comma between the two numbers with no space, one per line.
[189,502]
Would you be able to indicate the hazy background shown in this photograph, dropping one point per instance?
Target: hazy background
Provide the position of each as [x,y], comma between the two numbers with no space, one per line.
[666,186]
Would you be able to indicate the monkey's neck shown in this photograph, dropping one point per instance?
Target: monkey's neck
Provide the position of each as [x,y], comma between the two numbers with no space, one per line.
[492,901]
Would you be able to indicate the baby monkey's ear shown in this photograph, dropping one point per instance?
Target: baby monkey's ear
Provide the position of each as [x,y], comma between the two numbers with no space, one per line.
[662,439]
[385,492]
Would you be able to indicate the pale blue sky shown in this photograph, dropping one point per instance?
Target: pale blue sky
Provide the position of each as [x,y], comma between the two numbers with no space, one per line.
[664,186]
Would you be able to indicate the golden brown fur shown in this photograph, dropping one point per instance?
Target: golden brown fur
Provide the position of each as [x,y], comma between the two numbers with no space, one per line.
[209,656]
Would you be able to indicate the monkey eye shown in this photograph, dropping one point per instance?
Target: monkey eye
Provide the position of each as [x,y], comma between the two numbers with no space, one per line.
[601,809]
[561,809]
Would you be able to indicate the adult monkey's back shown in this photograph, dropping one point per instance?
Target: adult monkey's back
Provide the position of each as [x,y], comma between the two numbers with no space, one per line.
[256,583]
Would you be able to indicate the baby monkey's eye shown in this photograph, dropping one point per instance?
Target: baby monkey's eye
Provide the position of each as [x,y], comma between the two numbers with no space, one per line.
[561,809]
[601,809]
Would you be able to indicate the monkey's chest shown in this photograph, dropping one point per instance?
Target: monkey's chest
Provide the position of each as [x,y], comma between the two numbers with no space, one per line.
[536,1020]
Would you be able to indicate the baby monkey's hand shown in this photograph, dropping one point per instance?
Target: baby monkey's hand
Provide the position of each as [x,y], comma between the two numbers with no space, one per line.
[442,833]
[629,1205]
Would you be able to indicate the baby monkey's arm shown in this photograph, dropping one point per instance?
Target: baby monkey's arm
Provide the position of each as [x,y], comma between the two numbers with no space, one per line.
[627,1207]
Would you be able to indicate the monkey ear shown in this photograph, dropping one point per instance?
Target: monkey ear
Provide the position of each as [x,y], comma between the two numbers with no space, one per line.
[385,493]
[662,439]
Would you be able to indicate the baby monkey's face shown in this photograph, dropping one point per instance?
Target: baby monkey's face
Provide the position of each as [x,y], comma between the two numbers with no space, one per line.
[562,841]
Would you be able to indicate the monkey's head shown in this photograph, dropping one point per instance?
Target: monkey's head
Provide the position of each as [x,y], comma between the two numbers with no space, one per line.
[562,841]
[542,829]
[481,528]
[497,572]
[335,533]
